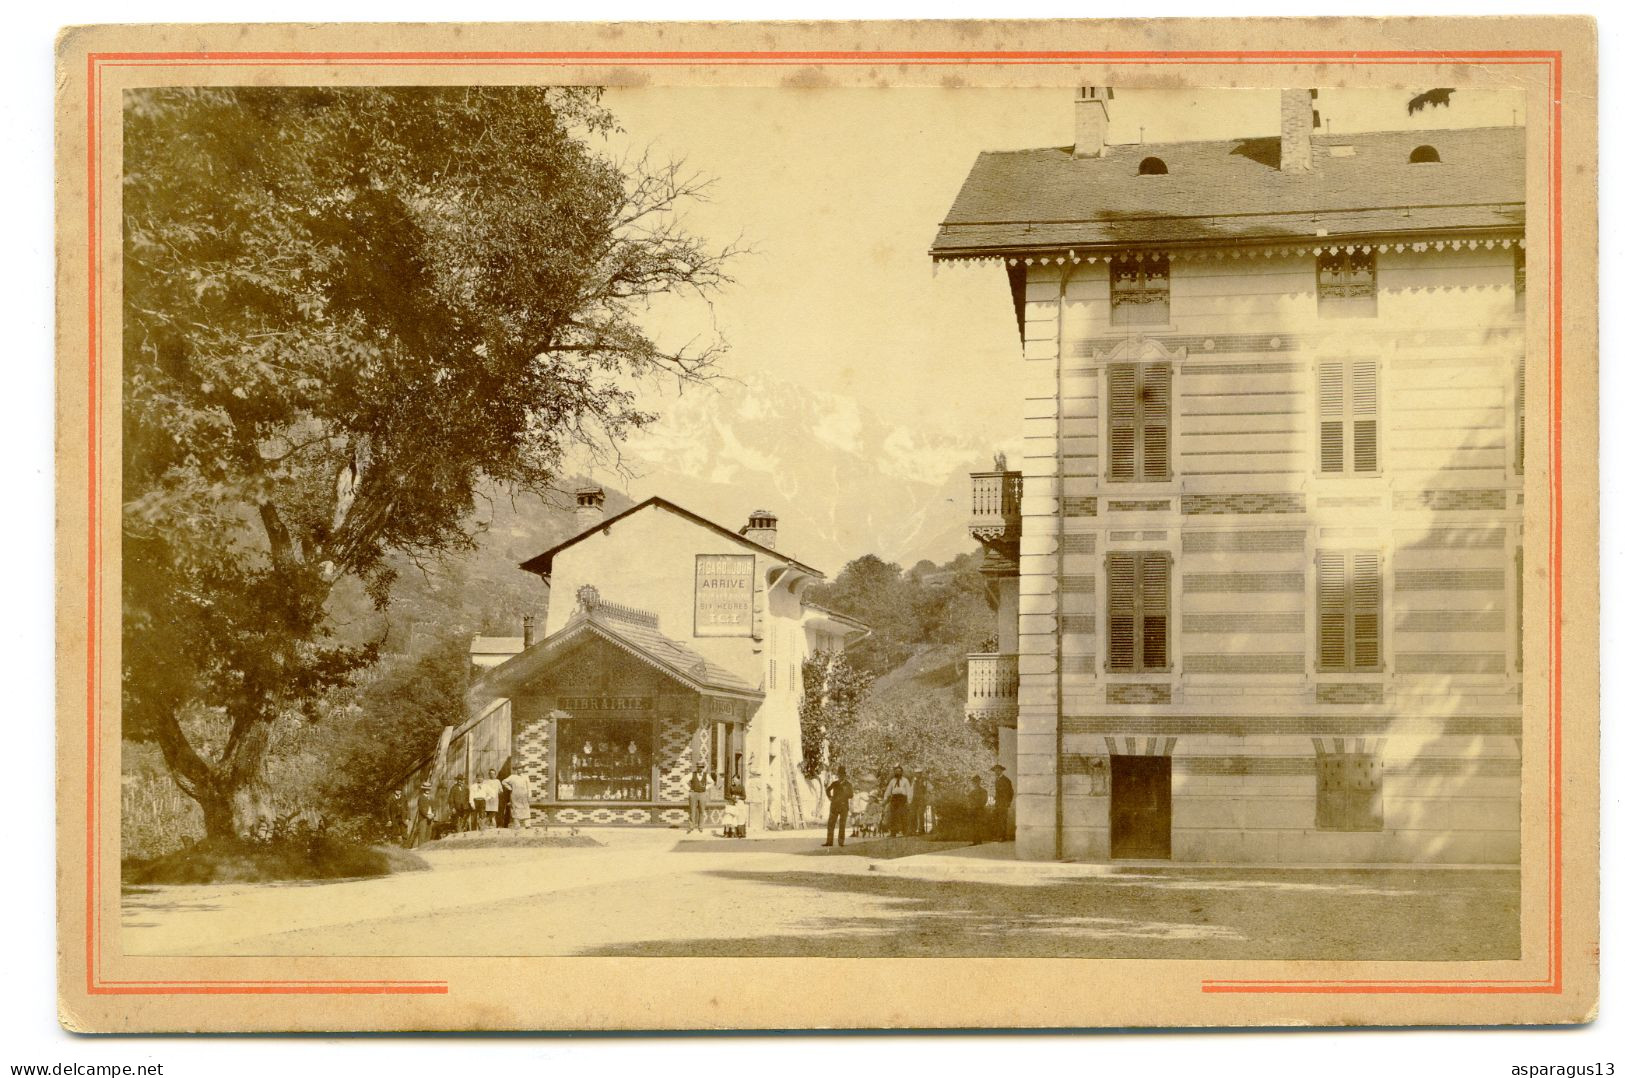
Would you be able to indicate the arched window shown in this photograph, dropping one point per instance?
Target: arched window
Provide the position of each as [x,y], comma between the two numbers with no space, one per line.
[1424,155]
[1155,166]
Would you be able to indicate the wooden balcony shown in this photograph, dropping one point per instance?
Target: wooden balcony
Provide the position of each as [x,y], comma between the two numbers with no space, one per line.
[995,499]
[993,683]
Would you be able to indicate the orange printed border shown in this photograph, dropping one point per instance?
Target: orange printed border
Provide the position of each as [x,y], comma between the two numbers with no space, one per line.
[1550,984]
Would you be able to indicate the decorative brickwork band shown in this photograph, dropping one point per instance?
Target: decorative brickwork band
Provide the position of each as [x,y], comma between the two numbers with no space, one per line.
[1242,582]
[1450,500]
[1252,663]
[1492,662]
[1356,693]
[1141,746]
[1139,506]
[1420,767]
[1298,725]
[1138,694]
[1219,504]
[1078,544]
[1450,580]
[1079,507]
[1252,541]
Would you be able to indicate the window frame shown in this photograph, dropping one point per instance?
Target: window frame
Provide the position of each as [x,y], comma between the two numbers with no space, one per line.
[1343,800]
[1352,610]
[1132,286]
[1339,292]
[1138,607]
[1351,412]
[1140,423]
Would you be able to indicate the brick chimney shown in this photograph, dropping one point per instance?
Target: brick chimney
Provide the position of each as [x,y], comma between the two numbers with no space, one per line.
[762,528]
[1298,121]
[1089,107]
[589,508]
[529,629]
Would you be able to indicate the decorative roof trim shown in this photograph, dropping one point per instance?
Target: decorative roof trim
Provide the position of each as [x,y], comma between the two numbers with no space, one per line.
[1216,252]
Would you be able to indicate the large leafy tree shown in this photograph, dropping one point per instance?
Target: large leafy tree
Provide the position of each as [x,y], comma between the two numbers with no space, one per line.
[345,311]
[832,692]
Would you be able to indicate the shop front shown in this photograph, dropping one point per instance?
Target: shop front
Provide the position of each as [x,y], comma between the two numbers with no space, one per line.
[610,719]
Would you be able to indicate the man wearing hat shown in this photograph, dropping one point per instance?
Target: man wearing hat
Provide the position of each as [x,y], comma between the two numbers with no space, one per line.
[1004,797]
[840,805]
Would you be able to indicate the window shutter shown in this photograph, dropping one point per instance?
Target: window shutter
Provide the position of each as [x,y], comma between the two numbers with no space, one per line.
[1365,415]
[1332,608]
[1155,411]
[1120,416]
[1331,417]
[1120,610]
[1154,573]
[1367,610]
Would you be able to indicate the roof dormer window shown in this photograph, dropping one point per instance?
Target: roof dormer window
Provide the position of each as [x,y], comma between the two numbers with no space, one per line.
[1424,155]
[1153,166]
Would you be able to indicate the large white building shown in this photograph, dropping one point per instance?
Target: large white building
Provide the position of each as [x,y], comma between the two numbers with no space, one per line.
[1260,565]
[670,642]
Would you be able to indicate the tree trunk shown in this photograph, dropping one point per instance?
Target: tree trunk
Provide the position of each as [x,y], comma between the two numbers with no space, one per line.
[231,791]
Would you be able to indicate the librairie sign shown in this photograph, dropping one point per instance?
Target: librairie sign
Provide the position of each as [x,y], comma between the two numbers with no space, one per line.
[606,703]
[724,594]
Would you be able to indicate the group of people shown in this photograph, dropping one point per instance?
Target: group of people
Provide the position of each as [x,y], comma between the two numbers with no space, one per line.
[910,806]
[485,804]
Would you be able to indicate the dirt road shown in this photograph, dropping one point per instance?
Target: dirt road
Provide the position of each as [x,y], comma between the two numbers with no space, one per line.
[655,893]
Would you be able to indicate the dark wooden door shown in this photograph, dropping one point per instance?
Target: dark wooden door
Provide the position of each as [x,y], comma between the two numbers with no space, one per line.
[1142,806]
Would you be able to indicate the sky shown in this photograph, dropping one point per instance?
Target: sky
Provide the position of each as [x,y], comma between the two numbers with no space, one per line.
[839,191]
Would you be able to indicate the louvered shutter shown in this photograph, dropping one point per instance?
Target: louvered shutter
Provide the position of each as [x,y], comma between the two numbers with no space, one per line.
[1155,410]
[1121,400]
[1154,572]
[1367,610]
[1332,608]
[1364,413]
[1331,417]
[1120,582]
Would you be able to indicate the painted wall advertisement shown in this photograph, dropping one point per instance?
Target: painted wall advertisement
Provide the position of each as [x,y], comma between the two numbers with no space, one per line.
[724,594]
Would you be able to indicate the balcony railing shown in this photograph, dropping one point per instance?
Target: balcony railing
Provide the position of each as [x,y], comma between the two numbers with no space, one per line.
[993,683]
[995,500]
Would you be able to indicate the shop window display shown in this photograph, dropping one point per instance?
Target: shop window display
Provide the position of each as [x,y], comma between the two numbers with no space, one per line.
[605,760]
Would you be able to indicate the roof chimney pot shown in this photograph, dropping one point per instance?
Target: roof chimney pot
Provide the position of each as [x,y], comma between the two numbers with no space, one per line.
[589,508]
[1090,116]
[762,529]
[1298,121]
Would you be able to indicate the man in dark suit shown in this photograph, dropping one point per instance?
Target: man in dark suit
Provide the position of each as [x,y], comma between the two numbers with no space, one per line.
[840,804]
[1004,798]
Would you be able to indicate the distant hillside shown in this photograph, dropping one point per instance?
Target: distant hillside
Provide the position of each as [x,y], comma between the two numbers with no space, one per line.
[482,590]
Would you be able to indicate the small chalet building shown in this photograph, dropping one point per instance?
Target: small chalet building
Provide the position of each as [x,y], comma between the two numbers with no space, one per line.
[670,642]
[1260,568]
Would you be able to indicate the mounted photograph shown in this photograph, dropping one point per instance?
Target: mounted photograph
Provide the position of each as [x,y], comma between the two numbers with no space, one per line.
[823,515]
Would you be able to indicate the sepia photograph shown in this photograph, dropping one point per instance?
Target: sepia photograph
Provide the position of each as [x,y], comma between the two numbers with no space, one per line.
[582,513]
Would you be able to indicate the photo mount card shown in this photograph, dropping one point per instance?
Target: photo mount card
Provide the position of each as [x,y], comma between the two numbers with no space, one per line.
[1284,540]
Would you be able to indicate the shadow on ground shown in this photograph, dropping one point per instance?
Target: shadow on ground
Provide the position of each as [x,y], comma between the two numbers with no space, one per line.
[882,849]
[1353,915]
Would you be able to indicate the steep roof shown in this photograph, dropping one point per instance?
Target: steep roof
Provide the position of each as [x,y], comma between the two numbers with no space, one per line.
[1234,190]
[542,564]
[634,636]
